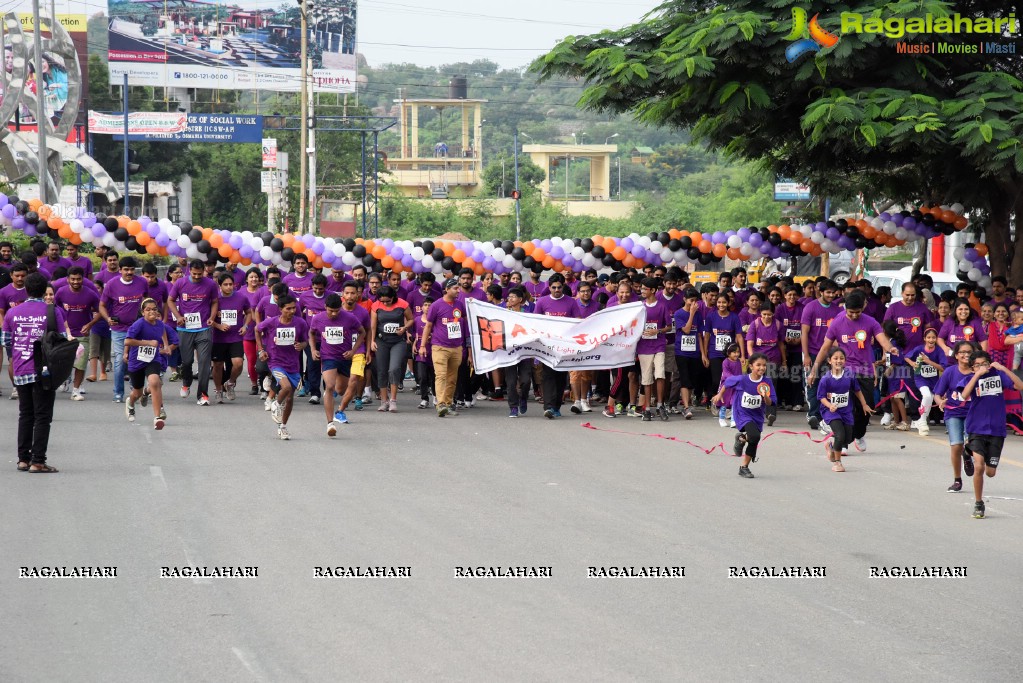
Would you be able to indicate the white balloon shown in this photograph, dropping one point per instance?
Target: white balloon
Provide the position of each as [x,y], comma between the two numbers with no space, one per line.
[183,241]
[328,244]
[734,242]
[164,223]
[944,207]
[109,239]
[173,231]
[890,227]
[256,243]
[745,249]
[428,261]
[266,253]
[645,241]
[957,253]
[817,237]
[77,225]
[964,264]
[339,250]
[985,282]
[958,208]
[418,253]
[193,252]
[589,260]
[828,246]
[349,259]
[900,234]
[509,261]
[497,254]
[578,253]
[438,268]
[974,274]
[487,248]
[656,247]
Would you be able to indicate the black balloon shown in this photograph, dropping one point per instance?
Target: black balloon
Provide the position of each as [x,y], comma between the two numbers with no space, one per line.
[195,234]
[774,239]
[684,242]
[652,236]
[518,253]
[438,255]
[674,245]
[917,215]
[693,253]
[277,244]
[448,263]
[267,237]
[131,242]
[359,251]
[664,238]
[496,243]
[203,246]
[121,234]
[586,244]
[610,260]
[287,253]
[41,226]
[928,220]
[598,251]
[31,217]
[14,199]
[428,246]
[861,242]
[705,259]
[21,206]
[110,224]
[368,261]
[507,246]
[528,262]
[349,244]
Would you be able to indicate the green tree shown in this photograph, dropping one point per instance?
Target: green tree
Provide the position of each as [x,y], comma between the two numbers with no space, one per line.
[940,128]
[499,176]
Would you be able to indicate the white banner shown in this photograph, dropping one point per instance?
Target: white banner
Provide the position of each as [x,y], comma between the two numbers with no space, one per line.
[139,123]
[607,339]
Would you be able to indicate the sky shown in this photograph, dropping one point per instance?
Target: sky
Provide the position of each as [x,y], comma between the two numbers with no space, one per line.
[509,32]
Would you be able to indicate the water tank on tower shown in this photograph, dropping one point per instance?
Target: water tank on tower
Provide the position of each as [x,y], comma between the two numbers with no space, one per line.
[458,88]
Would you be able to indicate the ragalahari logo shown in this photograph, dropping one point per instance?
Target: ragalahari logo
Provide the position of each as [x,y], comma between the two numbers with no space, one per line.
[818,36]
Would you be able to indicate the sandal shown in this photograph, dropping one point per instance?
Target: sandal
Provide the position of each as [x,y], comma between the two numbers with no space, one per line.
[90,378]
[42,469]
[23,466]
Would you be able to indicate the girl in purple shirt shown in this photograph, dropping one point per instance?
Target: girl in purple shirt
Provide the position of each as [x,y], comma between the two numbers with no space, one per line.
[835,392]
[753,393]
[962,326]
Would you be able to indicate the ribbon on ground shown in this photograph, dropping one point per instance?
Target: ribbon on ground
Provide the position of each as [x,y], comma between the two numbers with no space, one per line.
[707,451]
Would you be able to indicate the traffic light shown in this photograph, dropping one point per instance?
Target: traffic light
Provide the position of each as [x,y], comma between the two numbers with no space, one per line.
[516,195]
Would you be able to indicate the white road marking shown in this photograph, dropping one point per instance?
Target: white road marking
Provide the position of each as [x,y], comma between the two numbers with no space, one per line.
[248,660]
[158,481]
[198,580]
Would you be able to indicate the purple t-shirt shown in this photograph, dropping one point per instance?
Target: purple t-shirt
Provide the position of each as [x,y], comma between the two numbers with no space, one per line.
[842,392]
[312,304]
[674,303]
[765,339]
[362,315]
[194,301]
[253,298]
[471,294]
[952,332]
[336,285]
[232,312]
[537,289]
[334,337]
[51,266]
[122,300]
[657,317]
[268,308]
[449,326]
[791,320]
[687,344]
[86,283]
[874,307]
[563,307]
[239,276]
[11,297]
[587,310]
[985,414]
[83,262]
[747,403]
[746,318]
[104,276]
[927,375]
[298,284]
[279,341]
[416,298]
[79,307]
[158,293]
[419,324]
[856,338]
[948,387]
[141,356]
[721,332]
[911,320]
[22,325]
[818,317]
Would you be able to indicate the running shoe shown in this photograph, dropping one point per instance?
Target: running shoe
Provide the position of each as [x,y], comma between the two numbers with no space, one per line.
[634,412]
[185,391]
[358,404]
[576,408]
[619,409]
[978,510]
[129,410]
[647,416]
[145,398]
[452,412]
[394,406]
[229,391]
[267,404]
[442,410]
[861,444]
[968,462]
[267,383]
[409,375]
[737,445]
[14,395]
[585,406]
[254,391]
[814,422]
[902,426]
[424,404]
[283,434]
[886,419]
[663,411]
[277,412]
[722,422]
[203,400]
[367,400]
[314,400]
[770,419]
[331,429]
[66,386]
[118,398]
[384,406]
[302,393]
[158,423]
[687,413]
[829,449]
[798,407]
[608,412]
[745,473]
[557,413]
[218,396]
[174,376]
[77,396]
[956,486]
[163,413]
[523,406]
[340,417]
[824,428]
[838,467]
[513,411]
[549,414]
[676,410]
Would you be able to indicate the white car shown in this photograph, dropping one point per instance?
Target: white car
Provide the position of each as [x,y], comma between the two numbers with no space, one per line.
[943,282]
[839,266]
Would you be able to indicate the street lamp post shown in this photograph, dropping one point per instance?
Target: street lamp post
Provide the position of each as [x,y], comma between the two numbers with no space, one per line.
[518,225]
[303,169]
[609,138]
[618,165]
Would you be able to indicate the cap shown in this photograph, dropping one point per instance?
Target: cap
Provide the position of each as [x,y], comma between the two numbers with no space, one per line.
[603,277]
[450,282]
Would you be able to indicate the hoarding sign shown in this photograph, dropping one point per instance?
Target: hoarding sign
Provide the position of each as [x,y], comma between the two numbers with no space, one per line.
[234,128]
[244,45]
[269,153]
[139,123]
[788,190]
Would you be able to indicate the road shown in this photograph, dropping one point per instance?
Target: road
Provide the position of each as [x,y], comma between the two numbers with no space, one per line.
[411,490]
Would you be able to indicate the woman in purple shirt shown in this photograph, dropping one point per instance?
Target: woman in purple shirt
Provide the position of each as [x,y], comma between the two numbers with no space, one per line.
[721,328]
[234,318]
[254,292]
[962,326]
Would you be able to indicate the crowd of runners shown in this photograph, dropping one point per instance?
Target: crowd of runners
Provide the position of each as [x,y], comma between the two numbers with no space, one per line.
[354,339]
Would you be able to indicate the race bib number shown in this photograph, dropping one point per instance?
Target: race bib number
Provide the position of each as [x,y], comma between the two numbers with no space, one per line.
[793,335]
[840,400]
[751,401]
[928,370]
[193,321]
[989,386]
[649,330]
[335,336]
[147,354]
[392,328]
[687,342]
[229,317]
[284,336]
[454,330]
[721,341]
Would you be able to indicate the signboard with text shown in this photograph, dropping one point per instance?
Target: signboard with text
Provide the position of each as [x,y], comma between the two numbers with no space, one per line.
[234,128]
[788,190]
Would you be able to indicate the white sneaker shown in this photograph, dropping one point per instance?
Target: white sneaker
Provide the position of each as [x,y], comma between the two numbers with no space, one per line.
[886,419]
[66,387]
[276,412]
[331,429]
[267,383]
[861,444]
[586,407]
[924,429]
[825,428]
[266,404]
[229,390]
[283,434]
[796,408]
[731,423]
[423,404]
[722,422]
[218,396]
[77,396]
[184,391]
[577,407]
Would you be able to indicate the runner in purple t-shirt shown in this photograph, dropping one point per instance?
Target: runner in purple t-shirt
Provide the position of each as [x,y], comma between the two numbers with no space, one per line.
[753,393]
[120,305]
[814,322]
[557,304]
[81,306]
[333,337]
[281,341]
[193,304]
[234,318]
[650,350]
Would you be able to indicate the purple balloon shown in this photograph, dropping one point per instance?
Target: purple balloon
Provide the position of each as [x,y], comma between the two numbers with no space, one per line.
[717,238]
[755,240]
[546,245]
[885,216]
[162,240]
[388,243]
[3,199]
[398,254]
[557,252]
[568,261]
[489,263]
[245,251]
[743,234]
[970,254]
[30,230]
[145,220]
[908,222]
[9,211]
[408,261]
[627,244]
[639,251]
[98,230]
[318,248]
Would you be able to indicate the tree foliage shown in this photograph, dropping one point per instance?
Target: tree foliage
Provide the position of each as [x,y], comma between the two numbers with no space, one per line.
[855,116]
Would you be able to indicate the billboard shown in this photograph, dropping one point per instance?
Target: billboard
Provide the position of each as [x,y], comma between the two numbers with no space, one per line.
[242,45]
[55,68]
[788,190]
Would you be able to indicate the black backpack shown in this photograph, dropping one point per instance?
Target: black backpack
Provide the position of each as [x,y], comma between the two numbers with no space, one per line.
[54,352]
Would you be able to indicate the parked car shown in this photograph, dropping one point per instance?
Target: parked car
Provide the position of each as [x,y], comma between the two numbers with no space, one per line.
[840,266]
[896,278]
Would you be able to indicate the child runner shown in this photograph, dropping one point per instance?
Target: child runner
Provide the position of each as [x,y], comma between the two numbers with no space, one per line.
[766,336]
[280,341]
[951,402]
[985,418]
[333,336]
[898,375]
[753,392]
[928,363]
[833,393]
[147,345]
[732,367]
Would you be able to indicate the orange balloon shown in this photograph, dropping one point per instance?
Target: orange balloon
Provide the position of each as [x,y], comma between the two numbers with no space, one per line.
[224,250]
[143,238]
[961,222]
[379,252]
[619,253]
[772,228]
[216,241]
[448,248]
[796,237]
[674,234]
[287,238]
[609,244]
[598,239]
[784,232]
[528,247]
[981,250]
[133,227]
[469,263]
[152,248]
[719,250]
[869,231]
[75,238]
[705,246]
[64,232]
[235,257]
[539,254]
[696,237]
[806,246]
[733,253]
[386,262]
[458,255]
[206,233]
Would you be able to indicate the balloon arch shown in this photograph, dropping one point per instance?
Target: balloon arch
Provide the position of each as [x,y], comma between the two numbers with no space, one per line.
[162,237]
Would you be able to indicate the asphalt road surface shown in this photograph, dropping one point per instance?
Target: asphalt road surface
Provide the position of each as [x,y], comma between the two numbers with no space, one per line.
[410,490]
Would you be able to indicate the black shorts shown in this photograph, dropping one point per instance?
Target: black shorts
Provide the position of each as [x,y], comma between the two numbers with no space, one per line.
[990,447]
[138,377]
[689,370]
[224,352]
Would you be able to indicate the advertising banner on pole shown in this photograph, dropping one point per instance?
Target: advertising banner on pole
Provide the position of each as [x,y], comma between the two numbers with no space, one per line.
[243,45]
[607,339]
[139,123]
[269,152]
